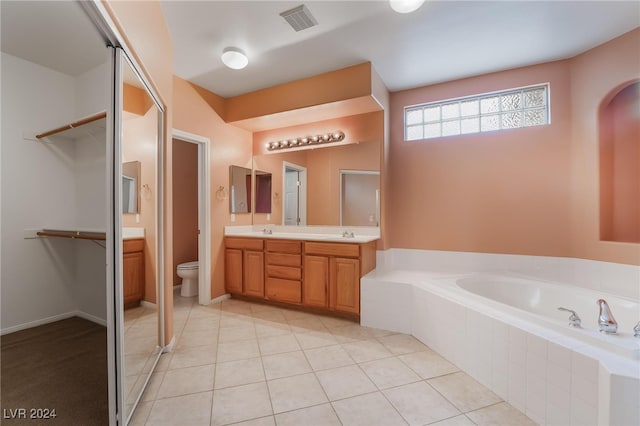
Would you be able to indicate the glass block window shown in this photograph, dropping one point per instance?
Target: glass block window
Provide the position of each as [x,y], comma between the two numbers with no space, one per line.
[508,109]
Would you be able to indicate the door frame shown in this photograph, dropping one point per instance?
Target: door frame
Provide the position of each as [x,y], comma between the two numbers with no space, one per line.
[302,190]
[204,212]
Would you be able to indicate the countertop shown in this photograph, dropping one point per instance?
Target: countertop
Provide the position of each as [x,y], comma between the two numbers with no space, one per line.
[306,233]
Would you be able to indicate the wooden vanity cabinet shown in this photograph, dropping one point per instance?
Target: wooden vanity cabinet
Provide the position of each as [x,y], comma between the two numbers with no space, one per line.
[244,266]
[321,276]
[283,271]
[132,272]
[332,273]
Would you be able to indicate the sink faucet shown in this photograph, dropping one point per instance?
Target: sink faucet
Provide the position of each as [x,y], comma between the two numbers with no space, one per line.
[267,231]
[606,321]
[574,319]
[346,234]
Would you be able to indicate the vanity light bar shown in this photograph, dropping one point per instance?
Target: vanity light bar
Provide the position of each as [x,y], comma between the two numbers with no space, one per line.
[306,140]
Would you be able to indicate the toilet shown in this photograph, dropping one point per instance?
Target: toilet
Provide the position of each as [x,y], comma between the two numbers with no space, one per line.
[189,273]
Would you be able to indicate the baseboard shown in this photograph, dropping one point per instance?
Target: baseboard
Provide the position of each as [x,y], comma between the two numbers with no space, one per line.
[149,305]
[222,298]
[53,318]
[170,346]
[91,318]
[177,287]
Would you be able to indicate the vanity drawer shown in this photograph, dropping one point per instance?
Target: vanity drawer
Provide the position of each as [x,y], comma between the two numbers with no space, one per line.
[244,243]
[332,249]
[284,246]
[287,272]
[283,290]
[283,259]
[132,246]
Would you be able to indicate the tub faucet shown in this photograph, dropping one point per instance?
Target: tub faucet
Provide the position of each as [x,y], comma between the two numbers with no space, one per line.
[636,330]
[606,321]
[574,319]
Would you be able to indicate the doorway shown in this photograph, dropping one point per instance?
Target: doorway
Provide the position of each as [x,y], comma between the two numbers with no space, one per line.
[294,200]
[203,212]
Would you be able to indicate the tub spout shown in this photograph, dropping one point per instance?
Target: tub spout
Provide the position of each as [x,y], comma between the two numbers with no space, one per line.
[606,321]
[574,319]
[636,330]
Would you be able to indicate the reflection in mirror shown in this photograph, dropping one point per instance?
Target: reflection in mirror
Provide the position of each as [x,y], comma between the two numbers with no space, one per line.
[318,171]
[263,191]
[130,187]
[240,192]
[140,266]
[359,198]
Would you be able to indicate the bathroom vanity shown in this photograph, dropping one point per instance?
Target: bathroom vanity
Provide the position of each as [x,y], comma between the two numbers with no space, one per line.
[314,272]
[132,272]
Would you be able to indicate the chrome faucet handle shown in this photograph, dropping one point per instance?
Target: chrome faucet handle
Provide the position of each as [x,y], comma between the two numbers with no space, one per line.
[346,234]
[606,321]
[574,319]
[267,231]
[636,330]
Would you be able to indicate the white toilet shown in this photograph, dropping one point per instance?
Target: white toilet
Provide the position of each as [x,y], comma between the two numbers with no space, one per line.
[189,273]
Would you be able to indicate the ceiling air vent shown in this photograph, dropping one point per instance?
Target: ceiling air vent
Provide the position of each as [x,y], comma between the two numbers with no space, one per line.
[299,18]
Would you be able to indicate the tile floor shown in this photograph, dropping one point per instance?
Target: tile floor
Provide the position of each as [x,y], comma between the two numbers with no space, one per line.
[249,364]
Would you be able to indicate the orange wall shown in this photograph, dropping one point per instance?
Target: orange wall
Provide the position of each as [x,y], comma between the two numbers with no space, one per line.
[185,204]
[144,28]
[594,75]
[496,192]
[528,191]
[230,145]
[343,84]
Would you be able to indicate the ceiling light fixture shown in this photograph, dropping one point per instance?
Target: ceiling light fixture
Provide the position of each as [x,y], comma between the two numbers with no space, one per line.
[405,6]
[234,58]
[337,136]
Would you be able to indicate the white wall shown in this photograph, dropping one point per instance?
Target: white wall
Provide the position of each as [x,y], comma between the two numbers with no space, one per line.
[48,185]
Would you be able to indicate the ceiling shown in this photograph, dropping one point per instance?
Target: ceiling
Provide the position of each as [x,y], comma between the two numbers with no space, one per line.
[442,41]
[54,34]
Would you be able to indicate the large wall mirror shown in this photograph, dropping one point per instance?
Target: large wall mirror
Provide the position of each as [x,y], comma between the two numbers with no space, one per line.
[307,183]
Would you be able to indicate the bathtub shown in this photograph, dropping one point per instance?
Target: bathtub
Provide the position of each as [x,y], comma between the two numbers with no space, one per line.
[539,301]
[496,320]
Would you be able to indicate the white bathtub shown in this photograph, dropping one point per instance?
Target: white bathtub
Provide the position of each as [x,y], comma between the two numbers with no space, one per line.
[502,328]
[542,299]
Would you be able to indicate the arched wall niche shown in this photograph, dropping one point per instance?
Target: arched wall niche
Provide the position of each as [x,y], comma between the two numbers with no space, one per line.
[619,149]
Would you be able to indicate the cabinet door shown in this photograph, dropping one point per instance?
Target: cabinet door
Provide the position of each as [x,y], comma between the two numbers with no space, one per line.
[132,278]
[233,270]
[316,281]
[345,285]
[253,273]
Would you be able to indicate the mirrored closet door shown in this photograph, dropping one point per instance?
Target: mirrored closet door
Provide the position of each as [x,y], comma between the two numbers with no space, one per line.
[138,188]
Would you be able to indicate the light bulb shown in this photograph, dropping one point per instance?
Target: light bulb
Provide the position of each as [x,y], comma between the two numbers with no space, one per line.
[234,58]
[405,6]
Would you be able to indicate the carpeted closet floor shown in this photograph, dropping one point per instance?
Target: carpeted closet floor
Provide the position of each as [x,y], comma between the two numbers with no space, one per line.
[60,366]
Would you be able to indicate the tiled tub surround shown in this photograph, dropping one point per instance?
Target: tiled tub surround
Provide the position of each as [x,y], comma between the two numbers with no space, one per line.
[552,374]
[357,234]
